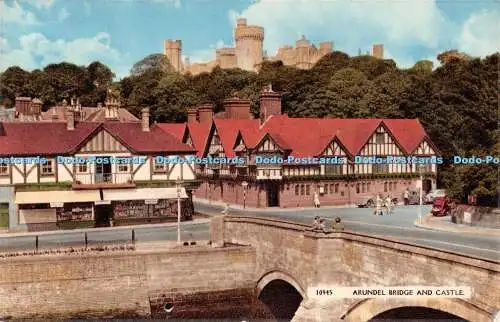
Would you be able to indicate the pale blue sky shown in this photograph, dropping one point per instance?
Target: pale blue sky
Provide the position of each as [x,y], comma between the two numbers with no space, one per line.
[121,32]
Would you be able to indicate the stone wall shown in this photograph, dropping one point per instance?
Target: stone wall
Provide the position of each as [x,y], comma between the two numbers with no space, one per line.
[129,284]
[477,216]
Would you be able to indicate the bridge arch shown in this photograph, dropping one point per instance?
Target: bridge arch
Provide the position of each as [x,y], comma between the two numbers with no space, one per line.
[366,310]
[280,294]
[280,275]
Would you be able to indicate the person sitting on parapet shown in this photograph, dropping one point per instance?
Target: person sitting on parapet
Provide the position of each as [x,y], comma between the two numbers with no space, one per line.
[338,225]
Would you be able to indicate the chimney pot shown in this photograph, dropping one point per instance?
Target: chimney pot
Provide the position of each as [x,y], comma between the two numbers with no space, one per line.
[70,121]
[270,103]
[206,113]
[145,119]
[192,114]
[237,108]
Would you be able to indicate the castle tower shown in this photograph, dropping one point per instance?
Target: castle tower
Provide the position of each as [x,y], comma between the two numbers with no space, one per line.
[173,51]
[303,47]
[378,51]
[226,58]
[249,45]
[325,47]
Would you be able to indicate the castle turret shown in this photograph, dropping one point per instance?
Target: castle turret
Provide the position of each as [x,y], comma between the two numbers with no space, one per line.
[378,51]
[304,53]
[173,51]
[249,45]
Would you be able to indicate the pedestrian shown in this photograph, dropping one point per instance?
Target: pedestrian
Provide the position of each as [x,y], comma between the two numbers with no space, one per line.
[226,209]
[378,205]
[406,197]
[388,205]
[318,224]
[316,200]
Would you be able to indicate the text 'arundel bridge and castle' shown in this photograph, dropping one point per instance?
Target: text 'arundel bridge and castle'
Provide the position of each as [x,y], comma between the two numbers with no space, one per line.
[248,52]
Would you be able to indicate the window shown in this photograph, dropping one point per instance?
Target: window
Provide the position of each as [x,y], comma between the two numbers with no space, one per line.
[123,168]
[363,187]
[82,168]
[385,186]
[368,187]
[308,190]
[394,185]
[390,186]
[159,167]
[297,189]
[287,187]
[379,138]
[48,168]
[357,188]
[4,169]
[333,169]
[381,168]
[302,189]
[332,189]
[337,188]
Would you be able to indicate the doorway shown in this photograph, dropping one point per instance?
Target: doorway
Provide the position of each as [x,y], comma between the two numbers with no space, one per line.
[273,194]
[103,171]
[426,185]
[103,215]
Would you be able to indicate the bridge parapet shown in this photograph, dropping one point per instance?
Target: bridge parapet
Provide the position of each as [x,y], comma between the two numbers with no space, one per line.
[351,259]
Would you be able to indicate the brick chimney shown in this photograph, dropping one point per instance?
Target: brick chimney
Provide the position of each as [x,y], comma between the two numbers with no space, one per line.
[145,119]
[23,105]
[206,113]
[70,120]
[192,114]
[36,106]
[111,111]
[237,108]
[270,103]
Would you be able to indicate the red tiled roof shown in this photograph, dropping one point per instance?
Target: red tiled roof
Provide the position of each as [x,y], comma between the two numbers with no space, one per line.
[176,129]
[307,137]
[156,140]
[409,133]
[199,133]
[51,138]
[31,139]
[228,132]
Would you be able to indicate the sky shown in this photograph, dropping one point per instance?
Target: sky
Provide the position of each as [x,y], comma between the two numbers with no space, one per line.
[34,33]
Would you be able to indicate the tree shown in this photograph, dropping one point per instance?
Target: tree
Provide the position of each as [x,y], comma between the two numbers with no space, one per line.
[13,83]
[155,61]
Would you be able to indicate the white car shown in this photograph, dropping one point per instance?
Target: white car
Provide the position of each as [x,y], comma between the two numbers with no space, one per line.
[429,198]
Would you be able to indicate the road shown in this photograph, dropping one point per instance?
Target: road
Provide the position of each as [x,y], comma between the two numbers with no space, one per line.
[399,226]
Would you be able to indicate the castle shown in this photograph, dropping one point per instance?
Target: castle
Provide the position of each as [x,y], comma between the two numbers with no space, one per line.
[248,52]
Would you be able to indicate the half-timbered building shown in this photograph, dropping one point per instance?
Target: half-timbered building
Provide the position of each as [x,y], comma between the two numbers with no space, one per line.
[119,180]
[275,136]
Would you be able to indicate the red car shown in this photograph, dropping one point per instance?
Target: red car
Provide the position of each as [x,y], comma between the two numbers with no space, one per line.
[440,207]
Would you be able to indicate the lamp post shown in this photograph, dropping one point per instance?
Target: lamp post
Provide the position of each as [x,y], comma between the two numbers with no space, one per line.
[178,184]
[245,185]
[420,170]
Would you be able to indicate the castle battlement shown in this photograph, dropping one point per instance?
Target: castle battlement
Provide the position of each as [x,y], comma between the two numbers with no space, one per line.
[248,52]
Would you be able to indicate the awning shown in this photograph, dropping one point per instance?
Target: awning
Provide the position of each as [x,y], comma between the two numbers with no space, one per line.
[63,196]
[142,194]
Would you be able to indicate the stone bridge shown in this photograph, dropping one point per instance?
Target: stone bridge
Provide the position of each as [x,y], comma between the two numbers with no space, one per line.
[255,268]
[289,259]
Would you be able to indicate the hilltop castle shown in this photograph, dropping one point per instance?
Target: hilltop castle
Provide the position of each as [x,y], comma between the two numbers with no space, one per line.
[248,52]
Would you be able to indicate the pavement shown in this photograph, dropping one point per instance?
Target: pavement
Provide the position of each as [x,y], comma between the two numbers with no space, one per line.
[262,210]
[444,224]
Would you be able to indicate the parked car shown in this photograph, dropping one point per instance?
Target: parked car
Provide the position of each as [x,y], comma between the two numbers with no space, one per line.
[440,207]
[433,194]
[369,202]
[414,197]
